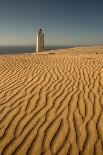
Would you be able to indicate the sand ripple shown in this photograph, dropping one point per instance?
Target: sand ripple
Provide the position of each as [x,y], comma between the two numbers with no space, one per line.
[51,104]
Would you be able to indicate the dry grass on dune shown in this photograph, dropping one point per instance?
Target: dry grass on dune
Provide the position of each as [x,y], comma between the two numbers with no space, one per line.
[82,50]
[51,104]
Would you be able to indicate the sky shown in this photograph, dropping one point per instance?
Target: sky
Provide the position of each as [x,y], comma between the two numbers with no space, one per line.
[64,22]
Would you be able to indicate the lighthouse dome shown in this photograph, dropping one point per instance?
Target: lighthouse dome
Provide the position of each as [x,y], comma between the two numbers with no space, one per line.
[40,31]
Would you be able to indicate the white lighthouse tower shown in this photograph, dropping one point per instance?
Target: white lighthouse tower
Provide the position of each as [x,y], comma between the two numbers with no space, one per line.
[40,41]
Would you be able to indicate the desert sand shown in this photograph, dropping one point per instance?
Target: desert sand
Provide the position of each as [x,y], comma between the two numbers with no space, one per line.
[52,104]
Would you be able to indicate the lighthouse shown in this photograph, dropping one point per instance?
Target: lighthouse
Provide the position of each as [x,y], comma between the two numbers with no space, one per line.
[40,41]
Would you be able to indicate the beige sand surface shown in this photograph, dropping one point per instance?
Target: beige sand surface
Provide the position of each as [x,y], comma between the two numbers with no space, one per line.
[52,103]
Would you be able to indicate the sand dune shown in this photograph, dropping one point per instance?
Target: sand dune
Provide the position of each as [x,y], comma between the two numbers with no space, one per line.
[52,104]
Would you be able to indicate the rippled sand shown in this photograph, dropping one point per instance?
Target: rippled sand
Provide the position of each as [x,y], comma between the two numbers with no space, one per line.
[52,103]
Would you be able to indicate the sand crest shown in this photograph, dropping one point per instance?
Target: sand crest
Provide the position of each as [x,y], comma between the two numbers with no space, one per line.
[52,104]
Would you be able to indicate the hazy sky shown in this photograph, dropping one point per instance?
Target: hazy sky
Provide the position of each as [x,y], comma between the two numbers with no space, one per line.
[64,22]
